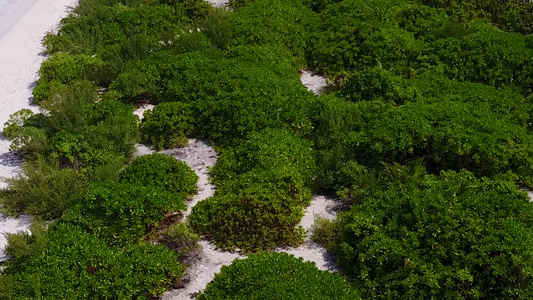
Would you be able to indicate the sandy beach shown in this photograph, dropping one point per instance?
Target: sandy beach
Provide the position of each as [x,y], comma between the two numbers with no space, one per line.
[21,54]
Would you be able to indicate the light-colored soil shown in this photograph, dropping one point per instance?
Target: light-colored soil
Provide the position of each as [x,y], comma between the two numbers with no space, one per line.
[314,82]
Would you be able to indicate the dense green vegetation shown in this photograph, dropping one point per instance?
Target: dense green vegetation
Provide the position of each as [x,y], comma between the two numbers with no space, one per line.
[76,265]
[277,276]
[262,190]
[449,236]
[425,133]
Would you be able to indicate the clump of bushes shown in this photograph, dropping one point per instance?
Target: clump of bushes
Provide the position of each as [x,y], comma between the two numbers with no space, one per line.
[457,131]
[221,90]
[272,22]
[167,125]
[180,238]
[263,188]
[509,15]
[277,276]
[447,236]
[163,172]
[44,191]
[62,69]
[258,217]
[76,265]
[121,213]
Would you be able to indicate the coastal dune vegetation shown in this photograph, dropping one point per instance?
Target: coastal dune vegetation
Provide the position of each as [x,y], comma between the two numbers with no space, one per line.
[424,134]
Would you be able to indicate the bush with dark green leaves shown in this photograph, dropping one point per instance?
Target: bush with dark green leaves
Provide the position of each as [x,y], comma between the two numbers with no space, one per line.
[408,38]
[253,217]
[487,55]
[167,125]
[263,188]
[77,265]
[286,157]
[264,22]
[163,172]
[452,236]
[277,276]
[510,15]
[457,126]
[221,91]
[354,34]
[121,213]
[377,83]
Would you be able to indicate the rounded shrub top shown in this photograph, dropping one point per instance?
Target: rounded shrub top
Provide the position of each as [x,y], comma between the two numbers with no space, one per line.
[162,171]
[121,212]
[277,276]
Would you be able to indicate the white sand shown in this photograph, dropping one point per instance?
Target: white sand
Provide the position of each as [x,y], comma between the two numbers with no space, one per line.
[139,112]
[21,51]
[324,207]
[314,82]
[219,3]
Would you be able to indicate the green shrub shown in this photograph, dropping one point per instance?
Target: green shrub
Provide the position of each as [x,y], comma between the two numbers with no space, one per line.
[63,68]
[354,34]
[162,171]
[279,22]
[44,191]
[506,62]
[252,217]
[376,83]
[262,193]
[180,238]
[221,91]
[192,9]
[16,121]
[236,4]
[451,134]
[23,245]
[324,232]
[217,27]
[77,265]
[509,15]
[453,236]
[29,142]
[121,213]
[167,125]
[318,5]
[277,276]
[276,154]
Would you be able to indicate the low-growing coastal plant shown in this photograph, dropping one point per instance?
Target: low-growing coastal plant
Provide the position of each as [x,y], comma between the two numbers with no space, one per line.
[180,238]
[167,125]
[121,213]
[426,237]
[163,172]
[76,265]
[23,245]
[277,276]
[44,191]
